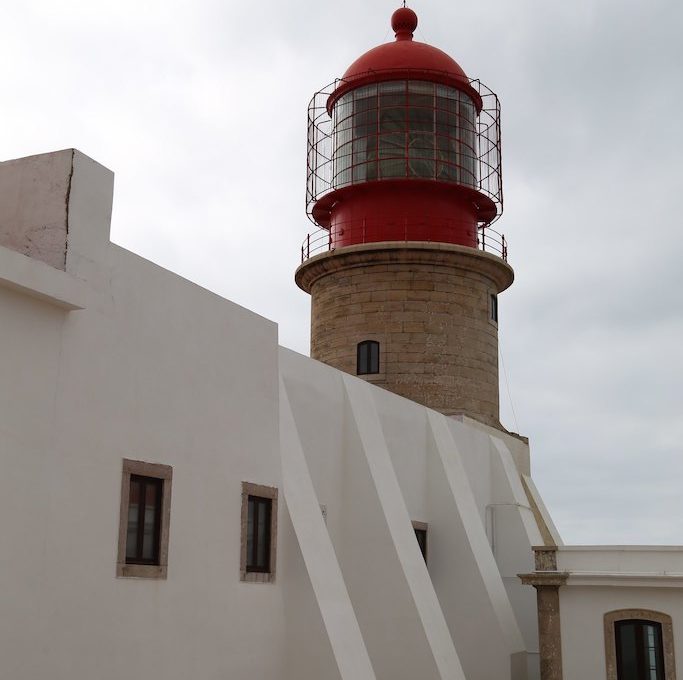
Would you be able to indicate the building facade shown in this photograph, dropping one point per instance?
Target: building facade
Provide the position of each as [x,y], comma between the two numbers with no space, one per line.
[183,498]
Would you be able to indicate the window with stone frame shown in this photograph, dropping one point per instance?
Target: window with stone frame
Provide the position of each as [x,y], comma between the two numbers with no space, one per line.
[367,357]
[144,520]
[639,645]
[259,533]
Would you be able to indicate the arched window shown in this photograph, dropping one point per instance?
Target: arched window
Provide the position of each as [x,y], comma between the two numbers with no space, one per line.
[367,357]
[639,645]
[639,650]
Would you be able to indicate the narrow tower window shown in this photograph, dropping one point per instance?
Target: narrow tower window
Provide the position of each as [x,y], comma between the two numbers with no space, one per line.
[494,308]
[367,360]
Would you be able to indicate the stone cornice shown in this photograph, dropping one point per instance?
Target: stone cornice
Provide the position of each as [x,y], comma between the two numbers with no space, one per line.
[544,578]
[419,252]
[602,579]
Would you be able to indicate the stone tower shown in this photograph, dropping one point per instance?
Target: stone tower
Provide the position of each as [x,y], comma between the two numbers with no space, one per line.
[404,182]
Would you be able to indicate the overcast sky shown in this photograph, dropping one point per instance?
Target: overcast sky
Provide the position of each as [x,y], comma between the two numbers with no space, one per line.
[200,110]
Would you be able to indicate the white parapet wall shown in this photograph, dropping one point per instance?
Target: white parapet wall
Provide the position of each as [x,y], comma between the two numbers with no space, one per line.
[605,583]
[152,368]
[105,357]
[377,462]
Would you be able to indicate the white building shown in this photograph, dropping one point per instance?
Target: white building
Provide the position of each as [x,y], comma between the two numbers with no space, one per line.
[283,497]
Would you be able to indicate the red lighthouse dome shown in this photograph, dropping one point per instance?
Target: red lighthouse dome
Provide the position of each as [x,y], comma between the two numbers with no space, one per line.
[404,147]
[405,57]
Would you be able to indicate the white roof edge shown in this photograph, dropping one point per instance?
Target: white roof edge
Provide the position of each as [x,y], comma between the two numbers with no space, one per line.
[624,548]
[39,280]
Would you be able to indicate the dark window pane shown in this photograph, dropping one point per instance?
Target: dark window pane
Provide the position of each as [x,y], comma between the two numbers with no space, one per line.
[363,357]
[258,534]
[629,660]
[494,307]
[144,520]
[374,357]
[150,522]
[133,510]
[250,529]
[639,650]
[367,357]
[262,532]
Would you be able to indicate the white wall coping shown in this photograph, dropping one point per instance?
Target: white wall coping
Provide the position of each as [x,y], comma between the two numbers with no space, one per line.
[630,580]
[619,548]
[619,562]
[39,280]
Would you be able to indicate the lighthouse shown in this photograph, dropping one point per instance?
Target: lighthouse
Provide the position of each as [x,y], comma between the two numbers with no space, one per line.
[403,184]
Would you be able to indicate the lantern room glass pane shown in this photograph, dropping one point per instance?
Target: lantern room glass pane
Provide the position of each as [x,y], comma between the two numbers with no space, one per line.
[405,129]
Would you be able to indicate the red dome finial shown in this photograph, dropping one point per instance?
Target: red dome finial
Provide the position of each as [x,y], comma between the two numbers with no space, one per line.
[404,23]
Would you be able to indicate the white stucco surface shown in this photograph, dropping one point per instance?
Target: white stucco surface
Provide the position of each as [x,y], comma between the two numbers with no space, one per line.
[149,371]
[583,609]
[424,453]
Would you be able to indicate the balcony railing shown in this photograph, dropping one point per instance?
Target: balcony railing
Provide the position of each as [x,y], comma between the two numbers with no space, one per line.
[323,240]
[482,171]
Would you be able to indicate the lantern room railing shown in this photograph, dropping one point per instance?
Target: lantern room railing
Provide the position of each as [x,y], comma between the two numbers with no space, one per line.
[474,139]
[324,240]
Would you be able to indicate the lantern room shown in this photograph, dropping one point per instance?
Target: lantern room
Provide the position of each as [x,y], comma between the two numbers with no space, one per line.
[404,147]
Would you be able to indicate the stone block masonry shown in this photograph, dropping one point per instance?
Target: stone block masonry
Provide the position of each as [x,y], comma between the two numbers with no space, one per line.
[428,305]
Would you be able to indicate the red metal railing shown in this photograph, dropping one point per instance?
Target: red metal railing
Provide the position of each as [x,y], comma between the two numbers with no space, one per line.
[323,240]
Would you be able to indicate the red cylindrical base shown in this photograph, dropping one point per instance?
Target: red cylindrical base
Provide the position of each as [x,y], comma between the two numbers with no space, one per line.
[400,210]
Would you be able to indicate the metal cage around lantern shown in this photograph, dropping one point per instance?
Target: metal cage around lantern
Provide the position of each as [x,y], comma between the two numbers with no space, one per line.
[463,149]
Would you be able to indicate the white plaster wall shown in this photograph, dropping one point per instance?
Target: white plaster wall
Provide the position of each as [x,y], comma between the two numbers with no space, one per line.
[582,610]
[470,591]
[308,653]
[156,369]
[462,565]
[621,559]
[331,605]
[394,634]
